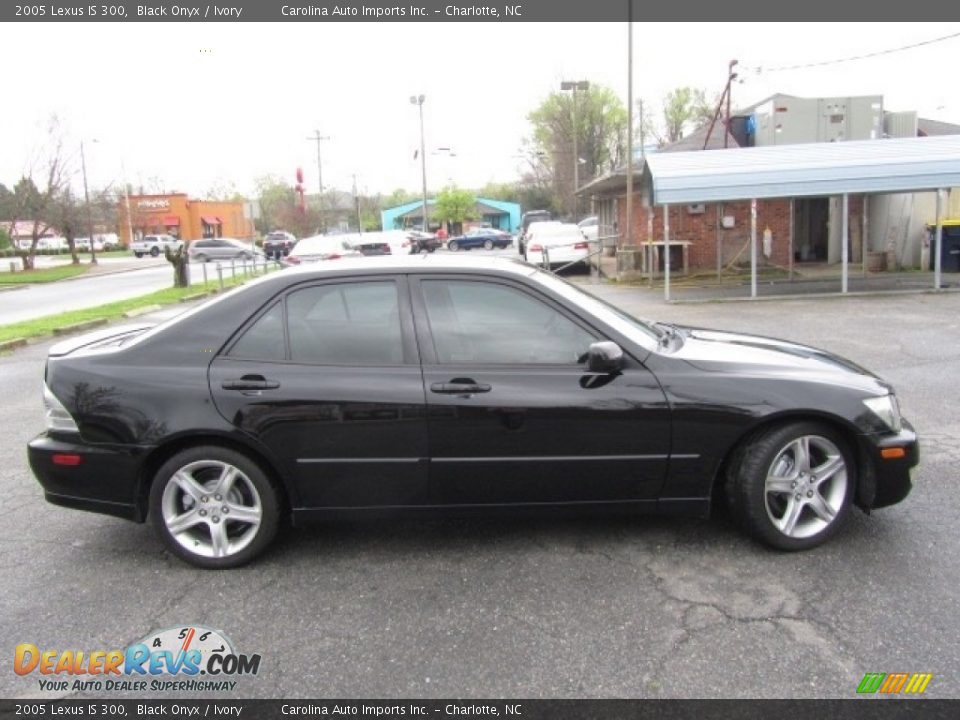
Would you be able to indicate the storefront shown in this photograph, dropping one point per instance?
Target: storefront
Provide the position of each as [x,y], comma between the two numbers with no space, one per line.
[176,214]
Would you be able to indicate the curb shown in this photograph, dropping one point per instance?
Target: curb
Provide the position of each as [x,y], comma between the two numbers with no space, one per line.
[77,327]
[816,296]
[142,311]
[10,287]
[12,344]
[195,296]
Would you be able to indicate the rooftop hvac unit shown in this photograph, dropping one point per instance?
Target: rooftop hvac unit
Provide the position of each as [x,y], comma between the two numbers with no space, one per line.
[697,209]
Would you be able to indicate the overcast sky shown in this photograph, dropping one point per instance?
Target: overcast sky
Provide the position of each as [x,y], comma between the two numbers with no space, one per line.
[196,105]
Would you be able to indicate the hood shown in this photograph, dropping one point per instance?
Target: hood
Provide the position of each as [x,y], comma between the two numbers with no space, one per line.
[758,355]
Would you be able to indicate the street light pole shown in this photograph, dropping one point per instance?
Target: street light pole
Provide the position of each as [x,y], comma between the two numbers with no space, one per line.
[86,199]
[574,86]
[318,138]
[418,101]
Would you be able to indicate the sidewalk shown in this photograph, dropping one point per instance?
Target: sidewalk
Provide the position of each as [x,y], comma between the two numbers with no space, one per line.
[808,280]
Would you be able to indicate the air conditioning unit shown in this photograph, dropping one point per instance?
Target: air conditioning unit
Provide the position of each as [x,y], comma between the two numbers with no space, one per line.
[727,222]
[697,209]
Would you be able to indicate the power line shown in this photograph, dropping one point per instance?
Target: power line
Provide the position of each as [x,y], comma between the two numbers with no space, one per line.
[760,69]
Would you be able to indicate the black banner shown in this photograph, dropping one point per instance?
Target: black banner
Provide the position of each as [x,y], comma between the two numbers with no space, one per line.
[466,11]
[891,709]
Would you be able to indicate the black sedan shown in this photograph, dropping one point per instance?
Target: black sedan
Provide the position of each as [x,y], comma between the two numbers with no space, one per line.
[387,385]
[485,238]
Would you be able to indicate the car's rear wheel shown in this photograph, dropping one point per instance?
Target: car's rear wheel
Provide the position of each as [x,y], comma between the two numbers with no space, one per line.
[200,257]
[488,245]
[154,251]
[453,245]
[791,486]
[139,254]
[214,507]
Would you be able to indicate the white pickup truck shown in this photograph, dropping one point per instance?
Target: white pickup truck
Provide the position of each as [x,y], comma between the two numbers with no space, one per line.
[154,245]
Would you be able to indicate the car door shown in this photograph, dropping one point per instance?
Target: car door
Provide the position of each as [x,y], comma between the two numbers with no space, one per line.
[513,415]
[329,380]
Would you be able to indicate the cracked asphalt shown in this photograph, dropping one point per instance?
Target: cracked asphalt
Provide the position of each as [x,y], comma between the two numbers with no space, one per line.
[626,607]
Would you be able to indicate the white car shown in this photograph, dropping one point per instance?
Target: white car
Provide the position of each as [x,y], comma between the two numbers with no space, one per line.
[564,243]
[321,247]
[590,227]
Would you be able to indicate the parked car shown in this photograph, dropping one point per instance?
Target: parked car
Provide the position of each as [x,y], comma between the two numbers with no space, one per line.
[278,244]
[321,247]
[526,220]
[563,242]
[220,249]
[424,242]
[154,245]
[485,238]
[83,244]
[387,385]
[590,228]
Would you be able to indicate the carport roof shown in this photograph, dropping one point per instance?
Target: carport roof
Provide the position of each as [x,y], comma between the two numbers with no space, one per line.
[811,170]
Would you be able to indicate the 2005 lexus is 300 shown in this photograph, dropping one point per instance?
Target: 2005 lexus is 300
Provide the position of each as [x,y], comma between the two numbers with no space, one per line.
[381,385]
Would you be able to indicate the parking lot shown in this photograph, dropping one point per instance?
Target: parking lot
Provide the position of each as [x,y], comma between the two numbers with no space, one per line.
[538,608]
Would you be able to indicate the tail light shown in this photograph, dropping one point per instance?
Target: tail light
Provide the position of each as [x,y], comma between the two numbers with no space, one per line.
[57,416]
[388,251]
[536,248]
[407,243]
[582,246]
[333,256]
[293,259]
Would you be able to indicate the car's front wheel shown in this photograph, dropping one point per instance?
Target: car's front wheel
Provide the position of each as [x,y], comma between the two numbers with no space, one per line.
[488,245]
[792,486]
[154,251]
[214,507]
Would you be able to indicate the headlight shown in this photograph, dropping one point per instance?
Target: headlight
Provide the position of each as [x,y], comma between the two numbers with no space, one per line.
[887,409]
[58,418]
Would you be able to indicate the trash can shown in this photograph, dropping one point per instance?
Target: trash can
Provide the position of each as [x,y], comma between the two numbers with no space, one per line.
[949,248]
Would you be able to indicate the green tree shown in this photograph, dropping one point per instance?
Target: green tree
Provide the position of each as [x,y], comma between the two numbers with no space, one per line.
[507,192]
[684,107]
[400,197]
[277,199]
[600,128]
[454,205]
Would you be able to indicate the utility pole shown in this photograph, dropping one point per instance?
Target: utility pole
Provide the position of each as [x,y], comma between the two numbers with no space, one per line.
[418,100]
[356,202]
[574,86]
[318,138]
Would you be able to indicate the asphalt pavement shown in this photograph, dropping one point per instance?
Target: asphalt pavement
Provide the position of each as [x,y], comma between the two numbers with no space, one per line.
[628,607]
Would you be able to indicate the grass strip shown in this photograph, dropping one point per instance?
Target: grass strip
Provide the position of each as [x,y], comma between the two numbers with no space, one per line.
[40,327]
[43,275]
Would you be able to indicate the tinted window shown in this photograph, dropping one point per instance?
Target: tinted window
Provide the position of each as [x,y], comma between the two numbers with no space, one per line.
[345,324]
[264,339]
[476,322]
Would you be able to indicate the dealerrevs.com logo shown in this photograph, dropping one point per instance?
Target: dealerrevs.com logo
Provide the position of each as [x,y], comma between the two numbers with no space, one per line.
[894,683]
[187,658]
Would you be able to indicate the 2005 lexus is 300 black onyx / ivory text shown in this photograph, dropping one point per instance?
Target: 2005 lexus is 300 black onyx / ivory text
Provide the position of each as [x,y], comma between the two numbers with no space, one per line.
[379,385]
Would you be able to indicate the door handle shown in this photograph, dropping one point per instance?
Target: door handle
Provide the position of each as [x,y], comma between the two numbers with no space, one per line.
[456,387]
[250,382]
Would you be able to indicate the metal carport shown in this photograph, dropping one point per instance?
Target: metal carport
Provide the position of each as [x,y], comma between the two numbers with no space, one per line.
[810,170]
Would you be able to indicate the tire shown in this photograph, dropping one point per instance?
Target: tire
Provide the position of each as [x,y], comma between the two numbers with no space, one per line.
[139,254]
[154,251]
[200,258]
[785,501]
[414,249]
[488,245]
[453,246]
[209,541]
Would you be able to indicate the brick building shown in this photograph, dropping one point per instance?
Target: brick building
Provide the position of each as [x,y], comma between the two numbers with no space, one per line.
[803,229]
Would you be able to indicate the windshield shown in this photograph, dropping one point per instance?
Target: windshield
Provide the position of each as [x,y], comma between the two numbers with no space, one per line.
[639,331]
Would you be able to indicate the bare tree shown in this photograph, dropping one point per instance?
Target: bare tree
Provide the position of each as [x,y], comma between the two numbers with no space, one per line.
[35,204]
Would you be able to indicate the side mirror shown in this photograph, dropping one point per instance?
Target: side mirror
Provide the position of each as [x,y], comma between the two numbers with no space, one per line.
[604,357]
